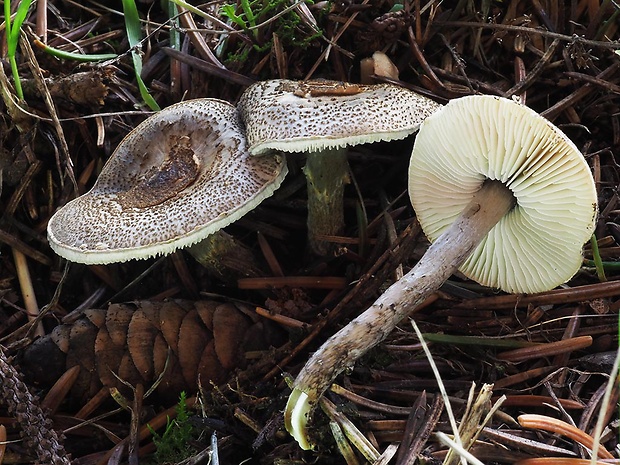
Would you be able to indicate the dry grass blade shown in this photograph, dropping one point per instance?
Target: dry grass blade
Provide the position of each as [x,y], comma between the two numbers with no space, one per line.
[464,454]
[470,423]
[473,423]
[28,294]
[344,447]
[37,73]
[605,404]
[357,439]
[19,116]
[388,454]
[2,442]
[448,406]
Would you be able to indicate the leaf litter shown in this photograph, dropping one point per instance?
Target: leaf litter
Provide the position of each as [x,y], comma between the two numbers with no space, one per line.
[556,381]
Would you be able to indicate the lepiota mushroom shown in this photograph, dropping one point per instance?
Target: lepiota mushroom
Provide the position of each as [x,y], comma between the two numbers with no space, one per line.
[322,118]
[503,195]
[181,175]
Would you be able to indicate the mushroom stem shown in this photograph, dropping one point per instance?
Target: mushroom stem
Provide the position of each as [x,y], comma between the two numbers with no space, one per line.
[327,173]
[225,258]
[443,258]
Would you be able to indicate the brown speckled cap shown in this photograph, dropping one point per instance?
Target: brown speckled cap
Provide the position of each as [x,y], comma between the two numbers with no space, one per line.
[181,175]
[303,116]
[538,244]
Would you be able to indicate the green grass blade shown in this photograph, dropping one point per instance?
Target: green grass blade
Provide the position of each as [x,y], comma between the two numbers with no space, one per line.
[7,20]
[132,23]
[20,16]
[598,262]
[144,92]
[12,38]
[82,57]
[609,266]
[175,35]
[17,82]
[134,36]
[476,340]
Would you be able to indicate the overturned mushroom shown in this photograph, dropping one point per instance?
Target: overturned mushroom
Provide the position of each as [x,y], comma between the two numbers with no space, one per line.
[181,175]
[505,197]
[322,118]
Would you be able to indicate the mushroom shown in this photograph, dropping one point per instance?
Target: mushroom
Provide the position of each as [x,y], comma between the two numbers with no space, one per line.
[322,118]
[178,177]
[503,195]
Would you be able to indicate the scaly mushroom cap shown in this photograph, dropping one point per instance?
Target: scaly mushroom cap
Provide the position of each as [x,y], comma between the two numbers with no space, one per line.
[304,116]
[537,245]
[181,175]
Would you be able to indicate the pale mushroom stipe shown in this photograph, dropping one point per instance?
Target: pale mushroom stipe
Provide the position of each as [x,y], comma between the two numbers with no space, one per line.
[181,175]
[502,194]
[322,118]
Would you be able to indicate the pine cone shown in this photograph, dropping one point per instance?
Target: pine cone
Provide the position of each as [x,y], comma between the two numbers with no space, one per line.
[203,340]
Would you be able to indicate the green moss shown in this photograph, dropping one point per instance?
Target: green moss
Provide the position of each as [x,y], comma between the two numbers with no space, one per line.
[173,445]
[254,17]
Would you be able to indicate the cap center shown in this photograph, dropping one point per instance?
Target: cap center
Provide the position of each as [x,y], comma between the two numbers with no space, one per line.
[160,183]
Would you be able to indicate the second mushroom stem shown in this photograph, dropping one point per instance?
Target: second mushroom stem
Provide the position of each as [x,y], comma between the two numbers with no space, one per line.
[225,258]
[441,260]
[327,173]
